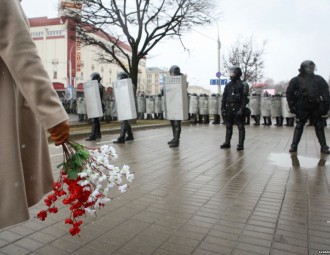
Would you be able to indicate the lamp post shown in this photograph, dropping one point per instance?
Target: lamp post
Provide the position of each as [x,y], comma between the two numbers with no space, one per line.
[219,48]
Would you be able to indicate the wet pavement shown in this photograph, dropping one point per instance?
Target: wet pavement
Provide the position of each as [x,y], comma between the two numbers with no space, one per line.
[199,199]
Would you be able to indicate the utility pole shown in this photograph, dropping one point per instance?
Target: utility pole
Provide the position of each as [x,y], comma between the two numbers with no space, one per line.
[219,47]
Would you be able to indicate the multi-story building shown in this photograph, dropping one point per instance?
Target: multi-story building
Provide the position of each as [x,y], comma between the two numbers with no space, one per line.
[68,63]
[155,80]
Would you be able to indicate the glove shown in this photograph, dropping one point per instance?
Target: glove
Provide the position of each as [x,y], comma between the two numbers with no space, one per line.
[60,133]
[240,112]
[293,109]
[223,112]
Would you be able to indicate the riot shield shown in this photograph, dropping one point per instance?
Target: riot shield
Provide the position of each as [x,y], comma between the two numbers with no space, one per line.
[213,105]
[176,98]
[275,107]
[93,99]
[124,96]
[203,105]
[158,104]
[193,104]
[141,102]
[285,108]
[254,105]
[265,106]
[150,105]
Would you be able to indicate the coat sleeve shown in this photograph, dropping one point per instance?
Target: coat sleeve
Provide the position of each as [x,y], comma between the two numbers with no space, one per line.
[20,56]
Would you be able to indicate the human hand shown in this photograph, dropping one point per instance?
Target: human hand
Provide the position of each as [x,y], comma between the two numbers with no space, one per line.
[60,133]
[240,112]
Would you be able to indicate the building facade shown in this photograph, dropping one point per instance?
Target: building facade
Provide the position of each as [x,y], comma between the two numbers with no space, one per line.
[155,80]
[68,63]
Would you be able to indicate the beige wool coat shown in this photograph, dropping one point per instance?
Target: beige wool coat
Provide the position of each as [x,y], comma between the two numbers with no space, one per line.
[28,106]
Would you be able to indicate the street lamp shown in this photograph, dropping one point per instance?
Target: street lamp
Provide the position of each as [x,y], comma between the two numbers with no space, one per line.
[219,48]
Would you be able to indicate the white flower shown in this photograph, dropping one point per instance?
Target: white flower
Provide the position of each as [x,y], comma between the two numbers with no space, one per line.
[89,210]
[83,183]
[130,177]
[122,188]
[95,193]
[104,200]
[102,178]
[82,174]
[125,169]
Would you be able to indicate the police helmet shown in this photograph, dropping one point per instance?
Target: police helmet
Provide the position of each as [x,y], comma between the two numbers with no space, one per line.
[96,76]
[235,72]
[175,70]
[307,67]
[122,76]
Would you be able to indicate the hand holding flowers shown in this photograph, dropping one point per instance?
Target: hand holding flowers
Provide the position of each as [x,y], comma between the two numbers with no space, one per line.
[85,180]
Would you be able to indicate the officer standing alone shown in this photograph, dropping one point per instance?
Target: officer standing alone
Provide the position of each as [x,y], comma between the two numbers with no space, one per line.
[308,97]
[232,107]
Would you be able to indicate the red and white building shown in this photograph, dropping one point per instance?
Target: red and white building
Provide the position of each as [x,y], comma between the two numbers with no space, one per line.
[68,63]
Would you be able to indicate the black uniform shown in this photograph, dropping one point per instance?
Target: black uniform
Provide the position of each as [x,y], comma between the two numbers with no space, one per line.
[233,105]
[308,97]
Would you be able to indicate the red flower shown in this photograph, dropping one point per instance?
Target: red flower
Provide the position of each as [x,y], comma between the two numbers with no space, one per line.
[53,210]
[74,231]
[68,221]
[42,215]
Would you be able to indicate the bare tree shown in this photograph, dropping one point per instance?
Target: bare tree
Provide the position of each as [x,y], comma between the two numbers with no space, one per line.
[141,24]
[248,57]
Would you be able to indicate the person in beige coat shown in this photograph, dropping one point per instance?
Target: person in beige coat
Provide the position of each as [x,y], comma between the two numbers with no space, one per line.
[28,106]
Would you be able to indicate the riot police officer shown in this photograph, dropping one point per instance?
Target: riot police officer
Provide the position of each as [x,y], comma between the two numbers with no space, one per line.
[254,106]
[175,124]
[125,126]
[96,125]
[308,96]
[214,109]
[232,106]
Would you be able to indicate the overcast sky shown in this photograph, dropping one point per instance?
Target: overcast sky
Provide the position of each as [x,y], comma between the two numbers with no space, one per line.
[295,30]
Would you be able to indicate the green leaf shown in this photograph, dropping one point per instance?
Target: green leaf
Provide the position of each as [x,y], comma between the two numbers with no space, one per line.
[73,174]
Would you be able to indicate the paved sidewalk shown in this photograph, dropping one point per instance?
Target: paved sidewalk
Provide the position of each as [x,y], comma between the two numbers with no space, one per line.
[198,199]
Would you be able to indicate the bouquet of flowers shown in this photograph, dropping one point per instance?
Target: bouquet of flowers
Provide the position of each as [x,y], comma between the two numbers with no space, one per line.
[86,177]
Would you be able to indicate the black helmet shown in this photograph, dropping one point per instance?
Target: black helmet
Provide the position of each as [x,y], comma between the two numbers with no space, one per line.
[307,67]
[175,71]
[122,76]
[96,76]
[235,73]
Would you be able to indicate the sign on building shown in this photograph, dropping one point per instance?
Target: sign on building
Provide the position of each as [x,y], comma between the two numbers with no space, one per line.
[124,98]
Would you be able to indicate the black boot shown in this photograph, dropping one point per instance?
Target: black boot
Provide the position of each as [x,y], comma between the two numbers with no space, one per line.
[129,136]
[269,121]
[296,139]
[319,130]
[98,129]
[173,131]
[177,133]
[265,121]
[194,118]
[241,138]
[281,121]
[277,121]
[121,138]
[92,136]
[216,119]
[226,144]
